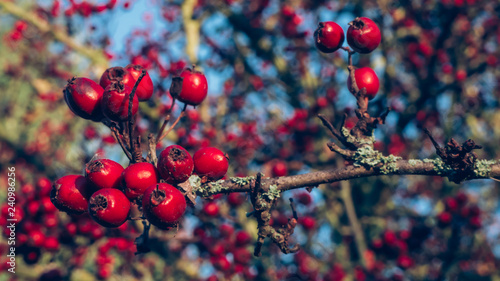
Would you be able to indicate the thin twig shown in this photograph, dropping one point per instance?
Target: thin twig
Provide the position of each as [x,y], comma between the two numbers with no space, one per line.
[183,113]
[117,136]
[151,158]
[357,229]
[130,119]
[165,121]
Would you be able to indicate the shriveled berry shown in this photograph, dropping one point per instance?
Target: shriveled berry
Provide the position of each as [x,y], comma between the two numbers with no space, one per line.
[83,97]
[117,74]
[116,100]
[365,78]
[145,88]
[137,177]
[328,37]
[190,87]
[210,162]
[363,35]
[163,205]
[109,207]
[70,193]
[175,164]
[104,173]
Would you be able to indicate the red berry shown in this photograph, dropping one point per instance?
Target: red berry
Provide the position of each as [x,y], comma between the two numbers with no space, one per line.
[304,198]
[243,238]
[405,261]
[117,74]
[211,209]
[475,222]
[365,78]
[137,177]
[163,205]
[104,173]
[242,256]
[36,238]
[389,238]
[363,35]
[32,208]
[47,205]
[145,88]
[451,204]
[115,102]
[83,97]
[69,194]
[279,169]
[109,207]
[235,199]
[461,198]
[51,244]
[50,220]
[307,222]
[444,219]
[175,164]
[194,87]
[43,186]
[226,230]
[329,37]
[221,263]
[210,162]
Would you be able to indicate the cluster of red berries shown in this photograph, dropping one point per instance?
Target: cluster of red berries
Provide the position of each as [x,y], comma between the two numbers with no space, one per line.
[111,97]
[363,36]
[37,221]
[457,210]
[107,189]
[223,241]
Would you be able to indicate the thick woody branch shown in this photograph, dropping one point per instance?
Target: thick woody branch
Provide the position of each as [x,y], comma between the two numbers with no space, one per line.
[484,169]
[96,56]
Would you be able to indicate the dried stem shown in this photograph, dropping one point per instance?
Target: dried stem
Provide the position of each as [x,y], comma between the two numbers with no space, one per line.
[151,158]
[131,120]
[167,118]
[183,113]
[118,138]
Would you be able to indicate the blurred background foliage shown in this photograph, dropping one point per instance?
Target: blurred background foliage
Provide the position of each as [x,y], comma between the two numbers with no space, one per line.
[438,66]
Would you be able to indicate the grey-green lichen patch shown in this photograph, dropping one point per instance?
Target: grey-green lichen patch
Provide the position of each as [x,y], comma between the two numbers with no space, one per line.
[439,166]
[352,139]
[273,192]
[368,157]
[242,181]
[195,181]
[414,162]
[482,168]
[210,188]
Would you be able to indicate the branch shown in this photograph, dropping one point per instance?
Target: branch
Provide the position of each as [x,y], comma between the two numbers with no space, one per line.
[484,169]
[43,26]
